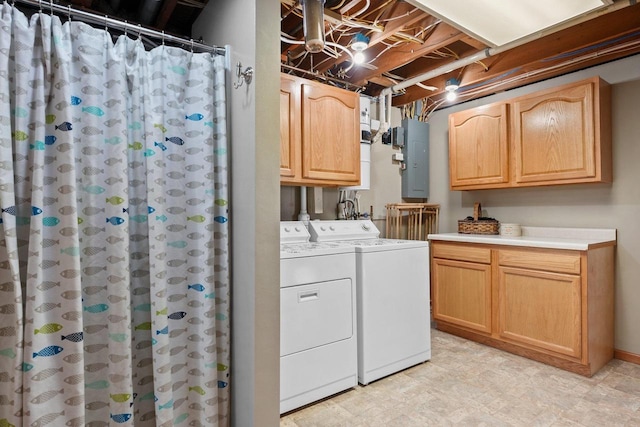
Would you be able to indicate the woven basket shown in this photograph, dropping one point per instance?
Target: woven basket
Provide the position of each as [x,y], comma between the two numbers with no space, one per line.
[477,225]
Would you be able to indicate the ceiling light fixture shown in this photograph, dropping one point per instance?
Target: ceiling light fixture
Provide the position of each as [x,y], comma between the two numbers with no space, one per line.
[313,25]
[451,87]
[359,43]
[358,57]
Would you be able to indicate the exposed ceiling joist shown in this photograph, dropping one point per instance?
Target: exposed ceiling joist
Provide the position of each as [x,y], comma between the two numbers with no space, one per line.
[405,42]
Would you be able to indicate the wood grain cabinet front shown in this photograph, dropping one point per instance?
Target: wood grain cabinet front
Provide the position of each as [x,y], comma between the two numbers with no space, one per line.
[479,147]
[554,306]
[463,294]
[563,135]
[290,127]
[540,309]
[319,134]
[556,136]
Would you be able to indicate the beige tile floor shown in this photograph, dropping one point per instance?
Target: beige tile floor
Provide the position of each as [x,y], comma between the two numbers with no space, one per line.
[469,384]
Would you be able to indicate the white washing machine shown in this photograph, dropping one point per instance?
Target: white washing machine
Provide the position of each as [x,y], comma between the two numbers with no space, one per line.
[318,338]
[392,296]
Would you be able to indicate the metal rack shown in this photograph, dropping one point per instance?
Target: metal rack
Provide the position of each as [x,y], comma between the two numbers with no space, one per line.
[411,221]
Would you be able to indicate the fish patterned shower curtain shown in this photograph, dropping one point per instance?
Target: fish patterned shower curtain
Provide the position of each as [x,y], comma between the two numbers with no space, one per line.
[114,270]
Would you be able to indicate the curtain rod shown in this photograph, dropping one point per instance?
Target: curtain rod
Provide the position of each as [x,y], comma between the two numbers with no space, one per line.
[117,24]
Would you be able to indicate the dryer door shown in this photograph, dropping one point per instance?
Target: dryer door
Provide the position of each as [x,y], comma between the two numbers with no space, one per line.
[315,314]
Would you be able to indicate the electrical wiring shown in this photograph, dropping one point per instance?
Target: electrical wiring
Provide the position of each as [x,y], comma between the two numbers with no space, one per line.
[408,37]
[304,56]
[361,11]
[339,6]
[542,71]
[283,38]
[451,53]
[425,87]
[482,88]
[382,6]
[345,49]
[395,17]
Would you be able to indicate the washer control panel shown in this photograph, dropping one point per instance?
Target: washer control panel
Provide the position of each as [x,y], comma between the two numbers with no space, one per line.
[293,232]
[326,231]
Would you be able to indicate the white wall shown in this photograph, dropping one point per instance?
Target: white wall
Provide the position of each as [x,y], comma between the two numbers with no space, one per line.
[251,27]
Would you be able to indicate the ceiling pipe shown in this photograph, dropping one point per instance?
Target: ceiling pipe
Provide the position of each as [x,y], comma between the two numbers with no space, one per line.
[479,56]
[313,25]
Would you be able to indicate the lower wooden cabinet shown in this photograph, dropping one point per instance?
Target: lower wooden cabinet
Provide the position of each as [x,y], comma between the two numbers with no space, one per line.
[540,309]
[554,306]
[463,296]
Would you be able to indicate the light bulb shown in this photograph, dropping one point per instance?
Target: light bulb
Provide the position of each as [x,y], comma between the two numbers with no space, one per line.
[451,95]
[358,57]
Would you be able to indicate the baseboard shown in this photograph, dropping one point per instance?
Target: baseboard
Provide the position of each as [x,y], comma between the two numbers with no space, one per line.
[627,356]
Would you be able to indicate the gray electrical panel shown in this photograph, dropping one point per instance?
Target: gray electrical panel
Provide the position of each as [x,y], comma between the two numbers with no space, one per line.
[415,177]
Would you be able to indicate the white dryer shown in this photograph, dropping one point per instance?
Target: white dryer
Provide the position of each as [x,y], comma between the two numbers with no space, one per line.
[318,338]
[392,296]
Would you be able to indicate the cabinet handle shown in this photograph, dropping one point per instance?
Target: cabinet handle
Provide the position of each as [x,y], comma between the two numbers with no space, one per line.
[308,296]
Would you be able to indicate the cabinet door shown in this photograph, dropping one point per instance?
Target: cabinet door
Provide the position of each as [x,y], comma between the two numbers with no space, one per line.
[478,148]
[554,136]
[462,293]
[330,134]
[290,123]
[540,309]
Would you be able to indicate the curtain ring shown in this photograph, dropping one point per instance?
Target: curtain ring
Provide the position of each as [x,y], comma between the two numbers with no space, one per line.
[69,12]
[51,7]
[40,5]
[191,45]
[106,23]
[139,31]
[126,28]
[162,37]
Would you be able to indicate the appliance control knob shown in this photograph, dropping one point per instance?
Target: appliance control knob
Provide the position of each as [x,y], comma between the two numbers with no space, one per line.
[332,228]
[323,228]
[298,229]
[366,227]
[287,229]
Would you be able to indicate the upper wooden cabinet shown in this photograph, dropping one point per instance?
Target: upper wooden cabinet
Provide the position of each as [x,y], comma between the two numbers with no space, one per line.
[563,135]
[479,147]
[557,136]
[289,126]
[319,134]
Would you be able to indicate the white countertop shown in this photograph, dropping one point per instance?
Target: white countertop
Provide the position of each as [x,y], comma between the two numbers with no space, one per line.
[579,239]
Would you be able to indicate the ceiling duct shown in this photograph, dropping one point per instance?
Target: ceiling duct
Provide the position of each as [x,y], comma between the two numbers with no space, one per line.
[148,11]
[313,24]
